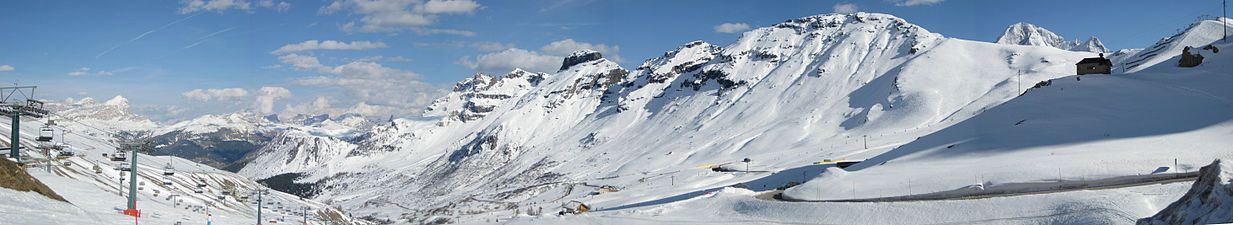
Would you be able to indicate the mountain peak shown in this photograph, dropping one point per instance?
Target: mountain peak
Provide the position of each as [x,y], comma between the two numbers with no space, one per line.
[1092,44]
[579,57]
[117,101]
[1022,33]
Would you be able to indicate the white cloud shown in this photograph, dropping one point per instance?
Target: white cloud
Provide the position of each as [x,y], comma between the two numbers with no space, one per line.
[401,15]
[222,94]
[486,46]
[6,68]
[324,104]
[311,45]
[548,59]
[191,6]
[302,62]
[361,80]
[845,8]
[915,2]
[505,61]
[266,97]
[86,71]
[568,46]
[490,46]
[731,27]
[451,6]
[280,6]
[432,31]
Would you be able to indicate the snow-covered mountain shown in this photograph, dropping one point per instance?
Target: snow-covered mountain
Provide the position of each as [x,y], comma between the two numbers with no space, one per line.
[1032,35]
[216,140]
[792,93]
[114,115]
[223,141]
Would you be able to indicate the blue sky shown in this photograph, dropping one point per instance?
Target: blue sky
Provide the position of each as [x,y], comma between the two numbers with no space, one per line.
[178,59]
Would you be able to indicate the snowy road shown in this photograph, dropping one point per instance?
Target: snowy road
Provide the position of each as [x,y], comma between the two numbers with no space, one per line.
[1113,183]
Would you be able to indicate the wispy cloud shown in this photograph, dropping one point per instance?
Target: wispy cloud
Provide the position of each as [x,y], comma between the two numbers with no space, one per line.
[143,35]
[206,95]
[311,45]
[391,16]
[548,59]
[845,8]
[731,27]
[190,6]
[6,68]
[915,2]
[86,71]
[207,37]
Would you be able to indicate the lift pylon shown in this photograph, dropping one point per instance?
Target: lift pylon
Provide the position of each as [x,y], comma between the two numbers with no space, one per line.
[15,102]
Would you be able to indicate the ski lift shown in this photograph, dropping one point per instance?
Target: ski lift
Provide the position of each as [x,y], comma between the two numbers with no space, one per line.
[122,167]
[169,170]
[45,134]
[66,150]
[198,191]
[119,155]
[166,181]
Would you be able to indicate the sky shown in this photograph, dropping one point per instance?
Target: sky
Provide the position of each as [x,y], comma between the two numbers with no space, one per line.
[175,60]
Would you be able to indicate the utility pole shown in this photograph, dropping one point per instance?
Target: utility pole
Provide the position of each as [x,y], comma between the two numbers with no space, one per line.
[305,212]
[1224,9]
[1020,81]
[866,138]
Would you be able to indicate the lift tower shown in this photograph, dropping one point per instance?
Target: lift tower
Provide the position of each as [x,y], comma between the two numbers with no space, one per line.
[132,148]
[15,102]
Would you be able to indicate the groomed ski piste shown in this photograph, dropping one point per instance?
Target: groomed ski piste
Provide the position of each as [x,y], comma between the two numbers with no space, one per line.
[91,184]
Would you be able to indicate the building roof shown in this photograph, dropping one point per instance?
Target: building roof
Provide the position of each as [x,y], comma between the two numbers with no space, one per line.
[1100,60]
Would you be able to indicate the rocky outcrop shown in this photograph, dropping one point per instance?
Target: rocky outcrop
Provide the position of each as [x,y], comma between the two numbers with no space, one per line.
[580,57]
[1190,59]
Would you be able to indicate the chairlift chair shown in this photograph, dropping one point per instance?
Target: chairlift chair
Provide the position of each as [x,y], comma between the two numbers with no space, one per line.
[66,150]
[119,156]
[45,134]
[168,170]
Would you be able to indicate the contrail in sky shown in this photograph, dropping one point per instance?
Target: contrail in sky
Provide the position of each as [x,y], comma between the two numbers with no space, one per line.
[207,37]
[142,35]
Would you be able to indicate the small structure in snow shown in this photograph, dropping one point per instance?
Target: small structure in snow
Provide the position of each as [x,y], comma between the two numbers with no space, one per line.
[574,207]
[1189,59]
[1094,65]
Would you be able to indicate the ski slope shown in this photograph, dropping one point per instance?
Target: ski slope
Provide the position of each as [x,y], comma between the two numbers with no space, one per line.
[91,184]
